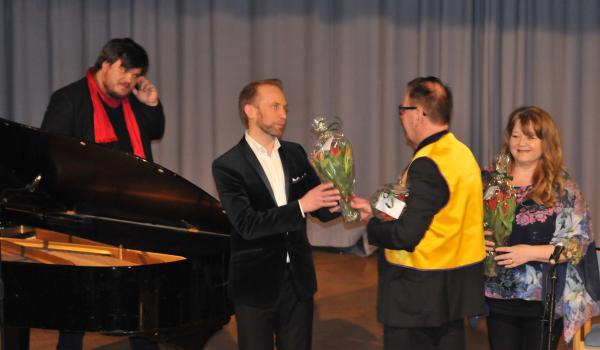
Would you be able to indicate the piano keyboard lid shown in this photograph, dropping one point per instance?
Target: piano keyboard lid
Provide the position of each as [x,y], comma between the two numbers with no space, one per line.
[54,173]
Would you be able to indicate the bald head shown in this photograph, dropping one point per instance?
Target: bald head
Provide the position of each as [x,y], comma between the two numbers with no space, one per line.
[433,96]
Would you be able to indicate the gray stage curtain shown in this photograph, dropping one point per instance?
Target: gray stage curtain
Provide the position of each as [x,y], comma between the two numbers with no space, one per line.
[345,58]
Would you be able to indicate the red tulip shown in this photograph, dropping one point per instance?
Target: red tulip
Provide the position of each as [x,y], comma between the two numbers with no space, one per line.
[336,152]
[505,207]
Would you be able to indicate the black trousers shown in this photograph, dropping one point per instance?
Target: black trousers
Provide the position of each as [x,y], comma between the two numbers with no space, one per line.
[506,332]
[289,320]
[450,336]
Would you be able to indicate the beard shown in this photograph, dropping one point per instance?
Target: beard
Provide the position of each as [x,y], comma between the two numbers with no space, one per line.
[114,94]
[273,129]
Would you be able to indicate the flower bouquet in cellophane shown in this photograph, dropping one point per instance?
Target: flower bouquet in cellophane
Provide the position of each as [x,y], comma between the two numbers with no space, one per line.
[388,202]
[499,203]
[333,162]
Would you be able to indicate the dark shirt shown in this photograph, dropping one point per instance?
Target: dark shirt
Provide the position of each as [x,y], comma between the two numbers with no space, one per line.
[117,119]
[534,224]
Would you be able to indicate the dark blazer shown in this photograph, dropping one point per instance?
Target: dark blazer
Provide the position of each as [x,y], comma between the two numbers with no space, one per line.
[262,232]
[70,112]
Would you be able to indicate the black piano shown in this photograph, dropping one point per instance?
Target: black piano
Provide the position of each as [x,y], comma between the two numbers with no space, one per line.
[98,240]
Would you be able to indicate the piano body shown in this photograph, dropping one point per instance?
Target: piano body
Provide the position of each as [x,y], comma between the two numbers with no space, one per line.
[98,240]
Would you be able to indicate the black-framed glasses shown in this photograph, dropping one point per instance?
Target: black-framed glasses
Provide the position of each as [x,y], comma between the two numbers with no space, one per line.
[402,108]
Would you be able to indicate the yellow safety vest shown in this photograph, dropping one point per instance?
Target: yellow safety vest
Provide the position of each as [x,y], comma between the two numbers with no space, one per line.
[455,236]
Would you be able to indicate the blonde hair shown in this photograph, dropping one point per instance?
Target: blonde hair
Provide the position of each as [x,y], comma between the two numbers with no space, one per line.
[550,174]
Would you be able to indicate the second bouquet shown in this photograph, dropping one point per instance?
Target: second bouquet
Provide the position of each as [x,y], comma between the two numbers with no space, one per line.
[333,162]
[499,203]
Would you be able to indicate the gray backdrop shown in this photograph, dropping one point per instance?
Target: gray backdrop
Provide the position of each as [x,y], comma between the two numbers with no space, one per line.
[346,58]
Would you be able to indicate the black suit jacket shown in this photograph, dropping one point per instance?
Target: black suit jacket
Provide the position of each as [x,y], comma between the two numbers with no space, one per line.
[262,232]
[70,112]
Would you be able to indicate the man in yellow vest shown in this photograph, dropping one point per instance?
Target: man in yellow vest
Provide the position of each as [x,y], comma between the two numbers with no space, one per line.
[431,265]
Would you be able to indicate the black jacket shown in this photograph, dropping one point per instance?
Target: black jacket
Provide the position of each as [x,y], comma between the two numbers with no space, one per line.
[262,232]
[70,113]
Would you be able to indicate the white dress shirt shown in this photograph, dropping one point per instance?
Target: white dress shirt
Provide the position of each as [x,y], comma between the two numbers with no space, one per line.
[273,168]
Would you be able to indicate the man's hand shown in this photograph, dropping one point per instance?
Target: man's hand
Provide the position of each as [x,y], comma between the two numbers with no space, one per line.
[322,196]
[364,207]
[336,209]
[146,92]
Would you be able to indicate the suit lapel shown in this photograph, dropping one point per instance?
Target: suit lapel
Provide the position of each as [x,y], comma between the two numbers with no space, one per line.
[286,162]
[251,157]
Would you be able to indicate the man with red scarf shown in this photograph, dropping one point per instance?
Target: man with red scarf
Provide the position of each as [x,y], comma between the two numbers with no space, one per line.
[114,105]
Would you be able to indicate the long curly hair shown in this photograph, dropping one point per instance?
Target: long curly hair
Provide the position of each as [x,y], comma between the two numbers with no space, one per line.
[550,174]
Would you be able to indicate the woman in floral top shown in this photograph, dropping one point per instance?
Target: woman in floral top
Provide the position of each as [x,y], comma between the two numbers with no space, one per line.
[550,210]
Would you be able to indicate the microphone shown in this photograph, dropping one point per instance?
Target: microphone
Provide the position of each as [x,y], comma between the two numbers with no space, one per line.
[34,184]
[4,194]
[558,249]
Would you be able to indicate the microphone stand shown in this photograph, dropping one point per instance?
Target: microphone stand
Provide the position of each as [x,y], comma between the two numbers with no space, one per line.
[549,308]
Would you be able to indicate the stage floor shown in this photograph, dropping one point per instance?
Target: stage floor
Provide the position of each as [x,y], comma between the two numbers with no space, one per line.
[344,313]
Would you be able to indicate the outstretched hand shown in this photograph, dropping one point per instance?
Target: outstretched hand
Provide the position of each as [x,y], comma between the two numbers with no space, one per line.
[321,196]
[363,206]
[146,92]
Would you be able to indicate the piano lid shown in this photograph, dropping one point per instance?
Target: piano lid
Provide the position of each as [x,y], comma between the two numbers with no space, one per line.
[92,180]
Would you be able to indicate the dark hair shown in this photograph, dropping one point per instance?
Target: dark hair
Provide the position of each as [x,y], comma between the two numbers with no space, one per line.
[131,54]
[248,94]
[434,96]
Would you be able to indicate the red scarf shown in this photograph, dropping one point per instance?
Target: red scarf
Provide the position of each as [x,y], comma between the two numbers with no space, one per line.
[103,129]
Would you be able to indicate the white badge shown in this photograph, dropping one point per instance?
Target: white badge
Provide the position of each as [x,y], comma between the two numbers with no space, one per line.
[390,205]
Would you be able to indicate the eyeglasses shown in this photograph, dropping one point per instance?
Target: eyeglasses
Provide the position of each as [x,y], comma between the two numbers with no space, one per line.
[402,108]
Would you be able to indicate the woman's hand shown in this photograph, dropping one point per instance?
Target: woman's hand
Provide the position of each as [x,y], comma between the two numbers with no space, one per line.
[490,246]
[516,255]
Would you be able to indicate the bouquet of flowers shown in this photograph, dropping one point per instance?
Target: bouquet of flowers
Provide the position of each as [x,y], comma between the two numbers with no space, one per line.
[499,203]
[333,162]
[388,202]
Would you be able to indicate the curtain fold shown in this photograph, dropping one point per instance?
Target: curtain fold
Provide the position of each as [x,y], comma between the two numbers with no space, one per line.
[347,58]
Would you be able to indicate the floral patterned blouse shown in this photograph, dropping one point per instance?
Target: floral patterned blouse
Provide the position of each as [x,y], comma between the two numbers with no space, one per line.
[568,222]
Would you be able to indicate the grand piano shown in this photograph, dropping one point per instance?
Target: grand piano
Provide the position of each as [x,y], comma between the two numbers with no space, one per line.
[97,240]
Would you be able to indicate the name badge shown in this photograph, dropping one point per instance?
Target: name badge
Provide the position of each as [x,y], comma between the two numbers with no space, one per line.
[390,205]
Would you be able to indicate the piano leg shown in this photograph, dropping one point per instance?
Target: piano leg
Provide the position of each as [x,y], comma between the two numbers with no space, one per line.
[16,338]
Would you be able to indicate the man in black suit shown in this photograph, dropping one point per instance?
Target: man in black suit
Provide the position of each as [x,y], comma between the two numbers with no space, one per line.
[267,186]
[115,106]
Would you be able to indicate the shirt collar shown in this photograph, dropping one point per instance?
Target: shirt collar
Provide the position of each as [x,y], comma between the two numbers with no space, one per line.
[431,139]
[257,148]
